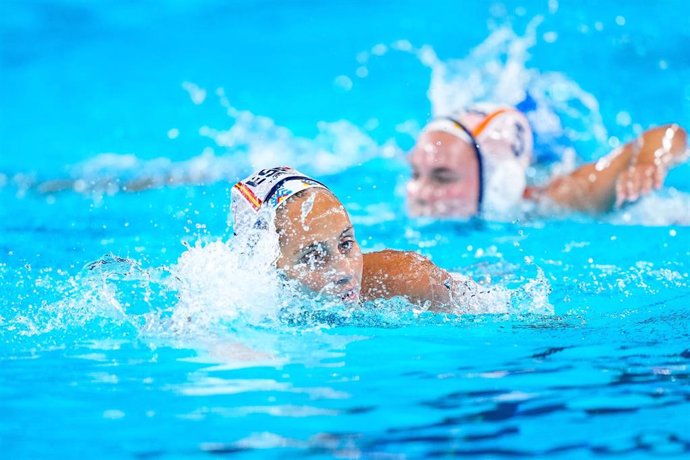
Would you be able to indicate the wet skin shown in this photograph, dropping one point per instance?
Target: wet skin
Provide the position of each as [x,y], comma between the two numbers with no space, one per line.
[622,176]
[319,249]
[445,177]
[445,174]
[318,246]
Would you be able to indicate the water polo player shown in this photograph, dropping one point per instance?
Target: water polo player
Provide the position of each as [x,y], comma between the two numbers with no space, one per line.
[318,247]
[476,163]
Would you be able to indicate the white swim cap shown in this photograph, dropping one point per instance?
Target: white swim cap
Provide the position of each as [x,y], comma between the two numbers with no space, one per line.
[260,194]
[501,138]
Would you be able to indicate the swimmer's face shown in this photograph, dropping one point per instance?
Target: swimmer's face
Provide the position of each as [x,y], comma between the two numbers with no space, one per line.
[445,177]
[318,246]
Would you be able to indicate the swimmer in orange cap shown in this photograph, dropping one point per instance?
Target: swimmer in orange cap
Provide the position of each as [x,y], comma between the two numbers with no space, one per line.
[475,164]
[318,248]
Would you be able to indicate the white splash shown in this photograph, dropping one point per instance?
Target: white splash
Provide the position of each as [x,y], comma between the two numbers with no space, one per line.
[337,146]
[222,281]
[196,93]
[661,208]
[497,71]
[530,297]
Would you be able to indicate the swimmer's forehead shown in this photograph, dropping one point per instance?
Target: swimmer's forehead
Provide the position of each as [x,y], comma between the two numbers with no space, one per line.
[313,204]
[441,138]
[315,194]
[435,145]
[313,219]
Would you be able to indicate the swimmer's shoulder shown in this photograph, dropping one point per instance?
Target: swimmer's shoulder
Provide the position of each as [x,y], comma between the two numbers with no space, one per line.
[390,260]
[390,273]
[394,263]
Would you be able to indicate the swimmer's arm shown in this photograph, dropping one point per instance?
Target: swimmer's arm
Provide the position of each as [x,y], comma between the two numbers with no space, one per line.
[391,273]
[623,175]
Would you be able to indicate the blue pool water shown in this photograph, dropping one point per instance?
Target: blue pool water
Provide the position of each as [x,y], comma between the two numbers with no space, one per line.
[592,359]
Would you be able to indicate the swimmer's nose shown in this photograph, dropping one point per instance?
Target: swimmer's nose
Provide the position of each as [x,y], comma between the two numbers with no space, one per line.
[417,191]
[344,271]
[423,196]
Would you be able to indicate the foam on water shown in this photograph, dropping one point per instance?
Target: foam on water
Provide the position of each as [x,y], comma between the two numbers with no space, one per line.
[227,282]
[218,288]
[112,294]
[662,208]
[497,71]
[262,143]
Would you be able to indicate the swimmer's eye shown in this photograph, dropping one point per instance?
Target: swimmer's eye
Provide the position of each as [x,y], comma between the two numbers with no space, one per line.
[313,258]
[346,246]
[415,174]
[445,176]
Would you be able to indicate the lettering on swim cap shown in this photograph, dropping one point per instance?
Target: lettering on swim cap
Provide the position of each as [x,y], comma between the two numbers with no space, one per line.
[518,146]
[256,197]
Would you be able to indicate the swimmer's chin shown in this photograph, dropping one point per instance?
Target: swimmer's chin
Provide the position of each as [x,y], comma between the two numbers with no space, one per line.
[430,214]
[329,297]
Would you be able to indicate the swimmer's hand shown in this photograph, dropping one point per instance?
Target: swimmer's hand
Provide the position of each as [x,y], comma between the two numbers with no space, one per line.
[639,180]
[651,156]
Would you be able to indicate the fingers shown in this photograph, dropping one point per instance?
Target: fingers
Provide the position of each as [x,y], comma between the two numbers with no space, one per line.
[646,185]
[620,189]
[637,182]
[652,177]
[632,185]
[646,180]
[659,176]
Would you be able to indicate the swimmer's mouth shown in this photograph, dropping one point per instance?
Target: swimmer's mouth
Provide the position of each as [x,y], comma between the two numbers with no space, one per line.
[350,296]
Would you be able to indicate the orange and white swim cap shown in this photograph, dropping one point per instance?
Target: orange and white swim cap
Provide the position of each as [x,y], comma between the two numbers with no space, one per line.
[502,140]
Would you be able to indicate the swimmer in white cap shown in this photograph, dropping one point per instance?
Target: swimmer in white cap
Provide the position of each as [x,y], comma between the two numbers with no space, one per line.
[318,247]
[475,163]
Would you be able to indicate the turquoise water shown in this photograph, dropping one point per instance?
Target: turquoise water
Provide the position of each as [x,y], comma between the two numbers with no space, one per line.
[592,360]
